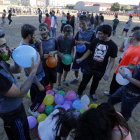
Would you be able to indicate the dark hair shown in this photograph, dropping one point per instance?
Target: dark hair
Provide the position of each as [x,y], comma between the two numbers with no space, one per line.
[92,20]
[38,8]
[72,20]
[2,34]
[135,28]
[102,18]
[43,24]
[93,125]
[116,16]
[9,11]
[53,11]
[27,29]
[115,118]
[47,15]
[68,119]
[4,10]
[106,29]
[67,28]
[83,17]
[130,16]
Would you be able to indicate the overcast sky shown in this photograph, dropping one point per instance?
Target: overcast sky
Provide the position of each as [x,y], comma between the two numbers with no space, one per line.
[132,2]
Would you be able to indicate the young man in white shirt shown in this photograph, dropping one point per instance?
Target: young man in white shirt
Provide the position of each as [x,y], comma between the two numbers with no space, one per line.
[53,24]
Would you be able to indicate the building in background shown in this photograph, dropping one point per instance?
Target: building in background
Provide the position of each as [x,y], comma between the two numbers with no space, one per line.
[25,2]
[6,2]
[41,3]
[92,6]
[56,3]
[14,2]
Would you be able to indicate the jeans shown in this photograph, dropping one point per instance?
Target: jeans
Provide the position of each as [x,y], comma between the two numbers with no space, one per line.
[40,18]
[114,85]
[3,22]
[10,20]
[37,96]
[53,30]
[16,124]
[85,80]
[128,104]
[114,29]
[62,26]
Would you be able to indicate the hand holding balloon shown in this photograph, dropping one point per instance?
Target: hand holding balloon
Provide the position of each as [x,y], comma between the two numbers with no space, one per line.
[78,61]
[61,55]
[121,71]
[46,56]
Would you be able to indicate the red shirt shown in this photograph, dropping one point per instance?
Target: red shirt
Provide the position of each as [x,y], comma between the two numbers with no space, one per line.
[48,21]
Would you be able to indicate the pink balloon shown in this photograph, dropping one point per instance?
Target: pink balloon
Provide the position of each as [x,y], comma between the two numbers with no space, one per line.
[71,95]
[85,106]
[41,108]
[50,92]
[32,121]
[66,106]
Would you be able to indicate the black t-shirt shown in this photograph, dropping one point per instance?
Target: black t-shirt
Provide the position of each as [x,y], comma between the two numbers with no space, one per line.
[9,16]
[5,84]
[135,75]
[98,59]
[87,46]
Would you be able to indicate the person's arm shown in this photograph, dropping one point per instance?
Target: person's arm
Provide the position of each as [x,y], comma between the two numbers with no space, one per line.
[109,67]
[21,92]
[15,68]
[52,53]
[72,53]
[132,80]
[122,47]
[40,49]
[86,54]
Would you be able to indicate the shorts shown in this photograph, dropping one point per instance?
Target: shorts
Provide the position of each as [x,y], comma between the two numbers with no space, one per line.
[61,67]
[125,30]
[76,67]
[50,75]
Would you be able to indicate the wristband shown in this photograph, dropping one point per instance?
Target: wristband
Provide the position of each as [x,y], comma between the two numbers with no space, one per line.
[124,76]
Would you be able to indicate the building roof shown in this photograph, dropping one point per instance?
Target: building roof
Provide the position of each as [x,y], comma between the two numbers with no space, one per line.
[93,3]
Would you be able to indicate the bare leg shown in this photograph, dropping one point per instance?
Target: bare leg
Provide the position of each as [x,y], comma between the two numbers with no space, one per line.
[122,33]
[126,34]
[51,84]
[76,73]
[59,78]
[65,75]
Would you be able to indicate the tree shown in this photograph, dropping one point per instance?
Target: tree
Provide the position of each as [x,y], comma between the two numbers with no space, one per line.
[115,7]
[70,6]
[126,7]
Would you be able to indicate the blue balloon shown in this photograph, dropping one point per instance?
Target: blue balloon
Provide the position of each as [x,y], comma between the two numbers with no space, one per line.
[23,56]
[57,106]
[77,104]
[75,99]
[81,48]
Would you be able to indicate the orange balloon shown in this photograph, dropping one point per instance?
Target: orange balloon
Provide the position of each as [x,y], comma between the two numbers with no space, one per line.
[51,61]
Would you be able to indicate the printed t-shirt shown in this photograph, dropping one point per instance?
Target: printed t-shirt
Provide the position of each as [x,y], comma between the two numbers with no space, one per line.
[115,22]
[48,46]
[101,51]
[85,35]
[53,19]
[131,55]
[135,75]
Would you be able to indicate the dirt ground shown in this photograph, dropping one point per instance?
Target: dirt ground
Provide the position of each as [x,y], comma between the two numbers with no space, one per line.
[13,37]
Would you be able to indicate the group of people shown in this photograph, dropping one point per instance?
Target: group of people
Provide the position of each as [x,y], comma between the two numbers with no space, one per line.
[95,62]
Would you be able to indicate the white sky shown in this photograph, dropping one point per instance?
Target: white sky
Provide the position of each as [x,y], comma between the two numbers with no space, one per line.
[132,2]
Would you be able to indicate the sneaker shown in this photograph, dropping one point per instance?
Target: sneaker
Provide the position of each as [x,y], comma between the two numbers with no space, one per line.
[54,90]
[60,87]
[119,36]
[65,83]
[93,97]
[35,114]
[74,81]
[107,93]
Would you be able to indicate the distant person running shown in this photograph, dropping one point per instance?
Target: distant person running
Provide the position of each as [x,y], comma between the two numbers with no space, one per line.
[127,27]
[9,17]
[3,18]
[115,23]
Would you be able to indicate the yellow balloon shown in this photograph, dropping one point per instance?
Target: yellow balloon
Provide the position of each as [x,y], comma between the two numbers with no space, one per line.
[41,117]
[48,100]
[29,94]
[93,106]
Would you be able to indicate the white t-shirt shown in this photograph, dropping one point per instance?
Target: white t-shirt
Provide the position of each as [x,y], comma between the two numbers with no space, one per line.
[46,128]
[126,45]
[53,19]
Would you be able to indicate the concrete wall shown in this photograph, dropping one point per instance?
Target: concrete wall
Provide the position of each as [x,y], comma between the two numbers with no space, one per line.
[103,8]
[79,6]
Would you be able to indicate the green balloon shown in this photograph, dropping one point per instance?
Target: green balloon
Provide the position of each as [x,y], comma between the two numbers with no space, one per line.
[67,59]
[62,93]
[83,110]
[49,109]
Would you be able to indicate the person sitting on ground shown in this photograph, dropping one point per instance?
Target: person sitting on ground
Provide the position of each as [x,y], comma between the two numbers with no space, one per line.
[58,124]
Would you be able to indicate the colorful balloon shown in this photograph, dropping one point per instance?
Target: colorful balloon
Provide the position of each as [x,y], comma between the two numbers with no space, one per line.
[75,99]
[67,59]
[48,88]
[71,95]
[59,99]
[66,106]
[93,106]
[51,61]
[61,92]
[77,104]
[29,94]
[41,117]
[23,56]
[81,48]
[85,106]
[68,102]
[57,106]
[49,109]
[48,100]
[83,110]
[85,100]
[32,121]
[41,108]
[50,92]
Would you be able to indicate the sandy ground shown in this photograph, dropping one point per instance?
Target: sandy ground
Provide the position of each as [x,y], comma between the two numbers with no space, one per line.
[13,37]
